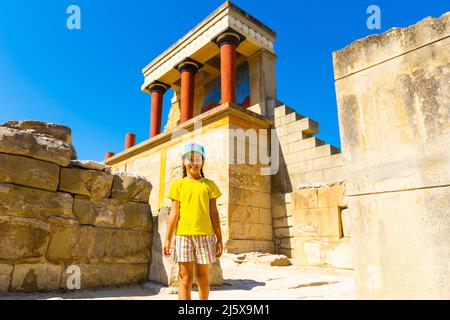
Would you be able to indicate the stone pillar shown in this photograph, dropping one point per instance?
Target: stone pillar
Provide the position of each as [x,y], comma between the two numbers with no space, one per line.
[393,105]
[263,82]
[188,68]
[157,90]
[228,42]
[130,140]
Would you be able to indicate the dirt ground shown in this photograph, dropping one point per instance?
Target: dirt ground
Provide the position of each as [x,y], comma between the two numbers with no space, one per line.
[245,281]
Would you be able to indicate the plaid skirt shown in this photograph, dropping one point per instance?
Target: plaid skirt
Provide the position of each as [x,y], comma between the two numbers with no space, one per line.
[198,248]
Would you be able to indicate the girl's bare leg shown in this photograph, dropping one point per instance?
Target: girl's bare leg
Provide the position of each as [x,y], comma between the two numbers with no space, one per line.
[185,280]
[202,280]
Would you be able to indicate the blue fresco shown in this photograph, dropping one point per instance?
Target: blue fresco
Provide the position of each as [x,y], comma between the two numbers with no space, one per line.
[212,88]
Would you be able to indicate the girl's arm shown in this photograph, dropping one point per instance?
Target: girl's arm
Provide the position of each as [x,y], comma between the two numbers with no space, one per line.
[215,219]
[171,225]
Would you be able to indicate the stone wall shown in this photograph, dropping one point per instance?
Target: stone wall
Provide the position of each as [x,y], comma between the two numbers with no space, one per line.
[56,212]
[312,226]
[394,114]
[307,165]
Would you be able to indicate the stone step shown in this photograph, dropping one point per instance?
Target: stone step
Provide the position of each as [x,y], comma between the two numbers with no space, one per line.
[282,110]
[305,125]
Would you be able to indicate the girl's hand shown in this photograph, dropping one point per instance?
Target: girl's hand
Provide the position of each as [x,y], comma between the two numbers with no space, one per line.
[219,249]
[166,247]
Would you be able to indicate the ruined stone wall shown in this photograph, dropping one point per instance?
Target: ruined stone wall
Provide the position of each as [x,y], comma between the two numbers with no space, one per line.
[307,165]
[56,212]
[394,114]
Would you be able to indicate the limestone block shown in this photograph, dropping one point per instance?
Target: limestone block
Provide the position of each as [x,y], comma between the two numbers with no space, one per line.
[267,259]
[287,243]
[299,167]
[36,277]
[332,161]
[52,130]
[265,216]
[260,199]
[131,188]
[249,181]
[33,203]
[346,226]
[240,196]
[5,276]
[112,213]
[318,152]
[88,164]
[334,252]
[283,232]
[100,275]
[22,239]
[258,231]
[86,182]
[287,221]
[29,172]
[40,147]
[332,175]
[279,211]
[415,226]
[98,245]
[316,222]
[241,246]
[305,198]
[330,196]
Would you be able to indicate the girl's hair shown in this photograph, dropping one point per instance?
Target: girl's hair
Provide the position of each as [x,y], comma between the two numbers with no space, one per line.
[185,172]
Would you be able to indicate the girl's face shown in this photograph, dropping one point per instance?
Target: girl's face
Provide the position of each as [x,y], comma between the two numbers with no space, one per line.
[193,163]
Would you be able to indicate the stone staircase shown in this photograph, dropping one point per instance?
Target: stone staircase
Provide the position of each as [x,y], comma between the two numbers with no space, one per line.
[308,160]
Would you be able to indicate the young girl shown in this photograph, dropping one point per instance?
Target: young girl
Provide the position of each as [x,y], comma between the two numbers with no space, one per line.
[194,215]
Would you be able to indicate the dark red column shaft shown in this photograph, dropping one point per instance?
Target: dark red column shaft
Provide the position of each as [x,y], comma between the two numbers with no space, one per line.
[109,154]
[187,95]
[228,72]
[156,113]
[130,140]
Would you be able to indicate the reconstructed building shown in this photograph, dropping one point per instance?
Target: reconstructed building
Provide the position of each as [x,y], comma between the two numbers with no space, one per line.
[258,150]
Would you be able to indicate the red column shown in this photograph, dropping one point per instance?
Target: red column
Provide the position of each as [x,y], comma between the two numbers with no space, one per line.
[130,140]
[228,41]
[109,154]
[188,68]
[228,72]
[157,90]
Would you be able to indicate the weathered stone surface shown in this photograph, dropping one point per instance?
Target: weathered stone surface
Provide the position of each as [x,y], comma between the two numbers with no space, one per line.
[21,201]
[28,172]
[278,260]
[393,106]
[113,213]
[40,147]
[36,277]
[303,199]
[131,189]
[52,130]
[86,182]
[346,224]
[317,222]
[319,251]
[5,276]
[22,239]
[99,275]
[87,164]
[97,245]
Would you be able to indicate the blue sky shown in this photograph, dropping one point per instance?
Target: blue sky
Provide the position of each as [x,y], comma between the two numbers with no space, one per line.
[90,79]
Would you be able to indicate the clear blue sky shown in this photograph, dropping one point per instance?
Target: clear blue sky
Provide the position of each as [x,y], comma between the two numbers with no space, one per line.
[90,79]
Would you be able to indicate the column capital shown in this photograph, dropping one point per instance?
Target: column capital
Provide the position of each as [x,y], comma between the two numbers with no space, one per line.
[190,65]
[158,86]
[229,36]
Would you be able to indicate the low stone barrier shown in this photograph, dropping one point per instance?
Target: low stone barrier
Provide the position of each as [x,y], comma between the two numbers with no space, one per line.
[65,223]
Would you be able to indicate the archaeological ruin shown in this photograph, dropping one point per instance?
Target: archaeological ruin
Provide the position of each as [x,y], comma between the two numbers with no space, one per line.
[379,206]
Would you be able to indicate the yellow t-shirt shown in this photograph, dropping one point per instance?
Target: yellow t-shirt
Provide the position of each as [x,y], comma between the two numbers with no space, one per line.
[194,196]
